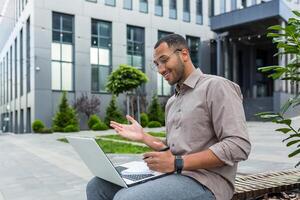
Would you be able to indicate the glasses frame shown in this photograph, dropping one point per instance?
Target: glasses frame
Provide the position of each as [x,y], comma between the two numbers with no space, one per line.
[157,65]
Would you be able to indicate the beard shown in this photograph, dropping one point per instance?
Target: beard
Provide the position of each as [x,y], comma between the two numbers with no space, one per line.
[177,73]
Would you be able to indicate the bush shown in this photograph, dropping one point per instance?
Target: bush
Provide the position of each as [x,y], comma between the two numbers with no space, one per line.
[113,113]
[37,126]
[100,126]
[155,111]
[144,119]
[65,117]
[154,124]
[46,130]
[71,128]
[94,119]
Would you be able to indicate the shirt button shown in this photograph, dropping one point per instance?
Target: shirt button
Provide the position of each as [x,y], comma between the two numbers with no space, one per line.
[173,145]
[179,110]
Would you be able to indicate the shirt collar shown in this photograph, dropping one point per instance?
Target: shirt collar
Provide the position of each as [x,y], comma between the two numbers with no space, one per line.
[191,80]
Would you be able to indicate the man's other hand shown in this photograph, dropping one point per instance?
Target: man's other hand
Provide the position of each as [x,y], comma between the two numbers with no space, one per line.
[160,161]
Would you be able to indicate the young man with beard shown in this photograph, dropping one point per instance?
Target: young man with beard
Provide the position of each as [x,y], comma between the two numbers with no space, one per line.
[206,135]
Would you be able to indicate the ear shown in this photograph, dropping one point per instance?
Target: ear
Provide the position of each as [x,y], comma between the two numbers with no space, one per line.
[185,54]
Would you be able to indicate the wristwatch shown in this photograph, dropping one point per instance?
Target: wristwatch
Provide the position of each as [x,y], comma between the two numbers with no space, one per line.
[178,164]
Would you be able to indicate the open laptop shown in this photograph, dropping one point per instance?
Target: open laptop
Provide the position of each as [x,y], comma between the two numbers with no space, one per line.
[124,175]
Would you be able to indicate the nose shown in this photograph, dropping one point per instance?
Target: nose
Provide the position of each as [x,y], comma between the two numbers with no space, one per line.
[161,68]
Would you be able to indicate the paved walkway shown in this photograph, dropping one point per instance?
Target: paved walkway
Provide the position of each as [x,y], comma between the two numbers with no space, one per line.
[37,167]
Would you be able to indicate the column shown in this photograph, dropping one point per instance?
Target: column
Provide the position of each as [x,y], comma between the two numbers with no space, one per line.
[281,62]
[226,60]
[219,56]
[234,63]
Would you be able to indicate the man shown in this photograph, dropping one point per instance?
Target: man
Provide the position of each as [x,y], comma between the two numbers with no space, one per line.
[206,134]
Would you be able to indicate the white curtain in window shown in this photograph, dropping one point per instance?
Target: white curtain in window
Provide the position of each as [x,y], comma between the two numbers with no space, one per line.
[55,76]
[55,51]
[103,57]
[66,52]
[67,74]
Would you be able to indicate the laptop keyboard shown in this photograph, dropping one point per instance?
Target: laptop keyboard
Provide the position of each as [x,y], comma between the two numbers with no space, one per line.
[136,177]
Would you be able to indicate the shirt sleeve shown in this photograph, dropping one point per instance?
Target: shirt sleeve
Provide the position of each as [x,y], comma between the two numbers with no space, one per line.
[224,101]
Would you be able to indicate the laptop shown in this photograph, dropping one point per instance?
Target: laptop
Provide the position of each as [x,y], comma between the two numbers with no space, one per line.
[125,175]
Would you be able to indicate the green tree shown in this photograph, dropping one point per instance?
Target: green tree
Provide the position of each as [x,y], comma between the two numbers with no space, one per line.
[287,41]
[155,111]
[113,113]
[65,117]
[126,79]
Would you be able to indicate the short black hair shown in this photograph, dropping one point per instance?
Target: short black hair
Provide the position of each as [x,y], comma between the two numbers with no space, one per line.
[175,41]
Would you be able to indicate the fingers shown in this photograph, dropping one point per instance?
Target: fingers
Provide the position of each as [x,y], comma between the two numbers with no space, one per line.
[150,154]
[131,119]
[115,124]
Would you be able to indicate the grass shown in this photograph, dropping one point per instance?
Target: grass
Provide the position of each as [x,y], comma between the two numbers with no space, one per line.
[116,147]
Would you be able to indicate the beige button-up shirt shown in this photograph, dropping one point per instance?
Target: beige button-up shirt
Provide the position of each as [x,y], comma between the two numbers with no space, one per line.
[206,112]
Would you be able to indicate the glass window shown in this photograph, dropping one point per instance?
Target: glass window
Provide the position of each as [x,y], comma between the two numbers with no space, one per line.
[163,87]
[103,75]
[144,6]
[173,9]
[233,4]
[28,77]
[159,7]
[222,6]
[135,47]
[127,4]
[110,2]
[244,3]
[62,52]
[161,34]
[199,12]
[211,8]
[95,1]
[100,54]
[186,10]
[194,46]
[21,62]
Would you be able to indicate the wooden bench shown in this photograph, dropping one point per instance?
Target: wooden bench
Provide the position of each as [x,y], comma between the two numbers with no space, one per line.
[253,186]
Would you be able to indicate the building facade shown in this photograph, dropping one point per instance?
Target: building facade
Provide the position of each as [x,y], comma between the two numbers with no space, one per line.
[51,46]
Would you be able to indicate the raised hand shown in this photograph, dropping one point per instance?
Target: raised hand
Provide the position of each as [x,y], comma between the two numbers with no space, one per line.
[133,131]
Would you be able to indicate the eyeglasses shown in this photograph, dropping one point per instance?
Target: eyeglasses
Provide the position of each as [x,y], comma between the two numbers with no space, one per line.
[162,61]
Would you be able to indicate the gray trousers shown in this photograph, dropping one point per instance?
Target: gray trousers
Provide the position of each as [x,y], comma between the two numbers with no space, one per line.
[169,187]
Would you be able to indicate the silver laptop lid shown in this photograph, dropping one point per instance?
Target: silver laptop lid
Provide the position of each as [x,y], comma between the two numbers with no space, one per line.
[95,159]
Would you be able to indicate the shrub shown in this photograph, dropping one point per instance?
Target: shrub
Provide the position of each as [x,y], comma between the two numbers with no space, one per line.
[46,130]
[100,126]
[71,128]
[113,113]
[155,111]
[65,116]
[38,125]
[144,119]
[94,119]
[154,124]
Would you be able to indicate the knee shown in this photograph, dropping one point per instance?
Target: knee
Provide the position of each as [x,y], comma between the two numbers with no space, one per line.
[92,185]
[125,195]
